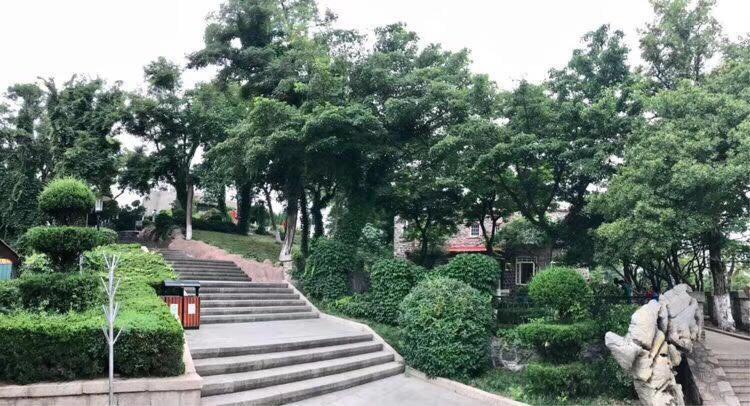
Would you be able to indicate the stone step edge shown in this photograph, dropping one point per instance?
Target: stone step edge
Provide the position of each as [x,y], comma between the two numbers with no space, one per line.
[257,318]
[300,390]
[218,352]
[245,381]
[257,362]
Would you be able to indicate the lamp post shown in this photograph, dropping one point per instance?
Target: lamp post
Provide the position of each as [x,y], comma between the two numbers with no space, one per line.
[99,206]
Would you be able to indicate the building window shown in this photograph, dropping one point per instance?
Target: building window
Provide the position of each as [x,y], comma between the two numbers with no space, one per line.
[474,231]
[525,270]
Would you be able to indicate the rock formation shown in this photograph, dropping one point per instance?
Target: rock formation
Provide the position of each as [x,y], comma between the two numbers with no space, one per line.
[659,333]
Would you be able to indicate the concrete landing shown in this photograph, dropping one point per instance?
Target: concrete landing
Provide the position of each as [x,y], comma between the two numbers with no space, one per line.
[398,390]
[264,333]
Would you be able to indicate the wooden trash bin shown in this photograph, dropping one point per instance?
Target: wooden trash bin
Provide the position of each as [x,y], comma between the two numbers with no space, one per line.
[191,312]
[175,304]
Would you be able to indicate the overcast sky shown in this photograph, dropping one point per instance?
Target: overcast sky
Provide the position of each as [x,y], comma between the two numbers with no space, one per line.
[509,39]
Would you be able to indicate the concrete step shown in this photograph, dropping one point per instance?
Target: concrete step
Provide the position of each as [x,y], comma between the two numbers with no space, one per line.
[251,303]
[214,277]
[254,362]
[211,271]
[741,389]
[249,296]
[243,381]
[247,318]
[200,353]
[735,362]
[206,267]
[188,260]
[275,395]
[742,376]
[219,311]
[245,285]
[211,289]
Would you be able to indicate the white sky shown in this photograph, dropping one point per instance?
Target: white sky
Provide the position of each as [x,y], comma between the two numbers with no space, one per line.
[509,39]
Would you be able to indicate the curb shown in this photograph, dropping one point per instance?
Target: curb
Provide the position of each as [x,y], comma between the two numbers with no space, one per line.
[462,389]
[728,333]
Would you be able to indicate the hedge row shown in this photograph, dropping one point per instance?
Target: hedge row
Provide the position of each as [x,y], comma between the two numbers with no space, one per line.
[63,245]
[55,346]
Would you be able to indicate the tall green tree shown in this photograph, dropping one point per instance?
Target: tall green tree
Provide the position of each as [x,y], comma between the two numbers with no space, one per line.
[680,41]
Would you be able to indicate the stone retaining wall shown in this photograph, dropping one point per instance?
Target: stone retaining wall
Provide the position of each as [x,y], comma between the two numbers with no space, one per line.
[183,390]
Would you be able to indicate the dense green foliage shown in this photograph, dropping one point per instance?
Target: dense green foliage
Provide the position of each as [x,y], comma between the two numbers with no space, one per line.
[63,245]
[579,379]
[35,263]
[65,346]
[59,292]
[327,268]
[446,328]
[391,280]
[66,200]
[559,288]
[556,342]
[479,271]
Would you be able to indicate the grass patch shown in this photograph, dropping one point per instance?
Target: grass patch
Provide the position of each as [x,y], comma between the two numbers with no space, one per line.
[254,246]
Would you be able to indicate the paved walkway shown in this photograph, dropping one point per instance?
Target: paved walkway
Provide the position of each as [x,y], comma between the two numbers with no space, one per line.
[396,390]
[722,344]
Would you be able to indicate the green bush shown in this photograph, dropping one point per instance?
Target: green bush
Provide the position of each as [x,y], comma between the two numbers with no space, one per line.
[59,292]
[357,306]
[220,226]
[615,318]
[163,225]
[560,288]
[327,269]
[67,200]
[479,271]
[391,280]
[556,342]
[9,297]
[579,379]
[63,245]
[49,346]
[446,328]
[36,264]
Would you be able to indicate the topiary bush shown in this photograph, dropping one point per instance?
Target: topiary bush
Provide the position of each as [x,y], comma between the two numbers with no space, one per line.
[579,379]
[391,280]
[560,288]
[36,264]
[479,271]
[357,306]
[59,292]
[9,297]
[63,245]
[163,226]
[67,200]
[327,269]
[556,342]
[446,326]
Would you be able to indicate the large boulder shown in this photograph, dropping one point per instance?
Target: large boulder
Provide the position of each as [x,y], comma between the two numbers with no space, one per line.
[659,333]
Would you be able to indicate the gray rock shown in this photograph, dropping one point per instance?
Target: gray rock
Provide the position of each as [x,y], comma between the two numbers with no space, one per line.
[643,324]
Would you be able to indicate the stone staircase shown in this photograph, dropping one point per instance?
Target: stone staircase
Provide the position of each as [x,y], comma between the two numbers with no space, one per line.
[294,356]
[737,370]
[228,295]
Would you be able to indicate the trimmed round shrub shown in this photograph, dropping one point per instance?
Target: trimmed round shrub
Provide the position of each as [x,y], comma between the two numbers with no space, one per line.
[59,292]
[63,245]
[163,225]
[579,379]
[479,271]
[390,281]
[67,200]
[446,328]
[327,269]
[560,288]
[556,342]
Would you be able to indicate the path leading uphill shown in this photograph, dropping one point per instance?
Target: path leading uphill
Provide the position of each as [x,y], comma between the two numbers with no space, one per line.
[262,343]
[733,355]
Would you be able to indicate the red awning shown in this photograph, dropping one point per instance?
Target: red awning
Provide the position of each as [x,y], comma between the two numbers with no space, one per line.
[466,248]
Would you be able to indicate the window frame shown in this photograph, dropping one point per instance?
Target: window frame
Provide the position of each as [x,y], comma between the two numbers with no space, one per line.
[471,230]
[520,261]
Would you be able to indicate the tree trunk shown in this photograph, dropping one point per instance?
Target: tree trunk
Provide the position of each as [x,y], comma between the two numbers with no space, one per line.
[722,304]
[189,209]
[244,201]
[274,228]
[291,227]
[305,218]
[180,188]
[221,202]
